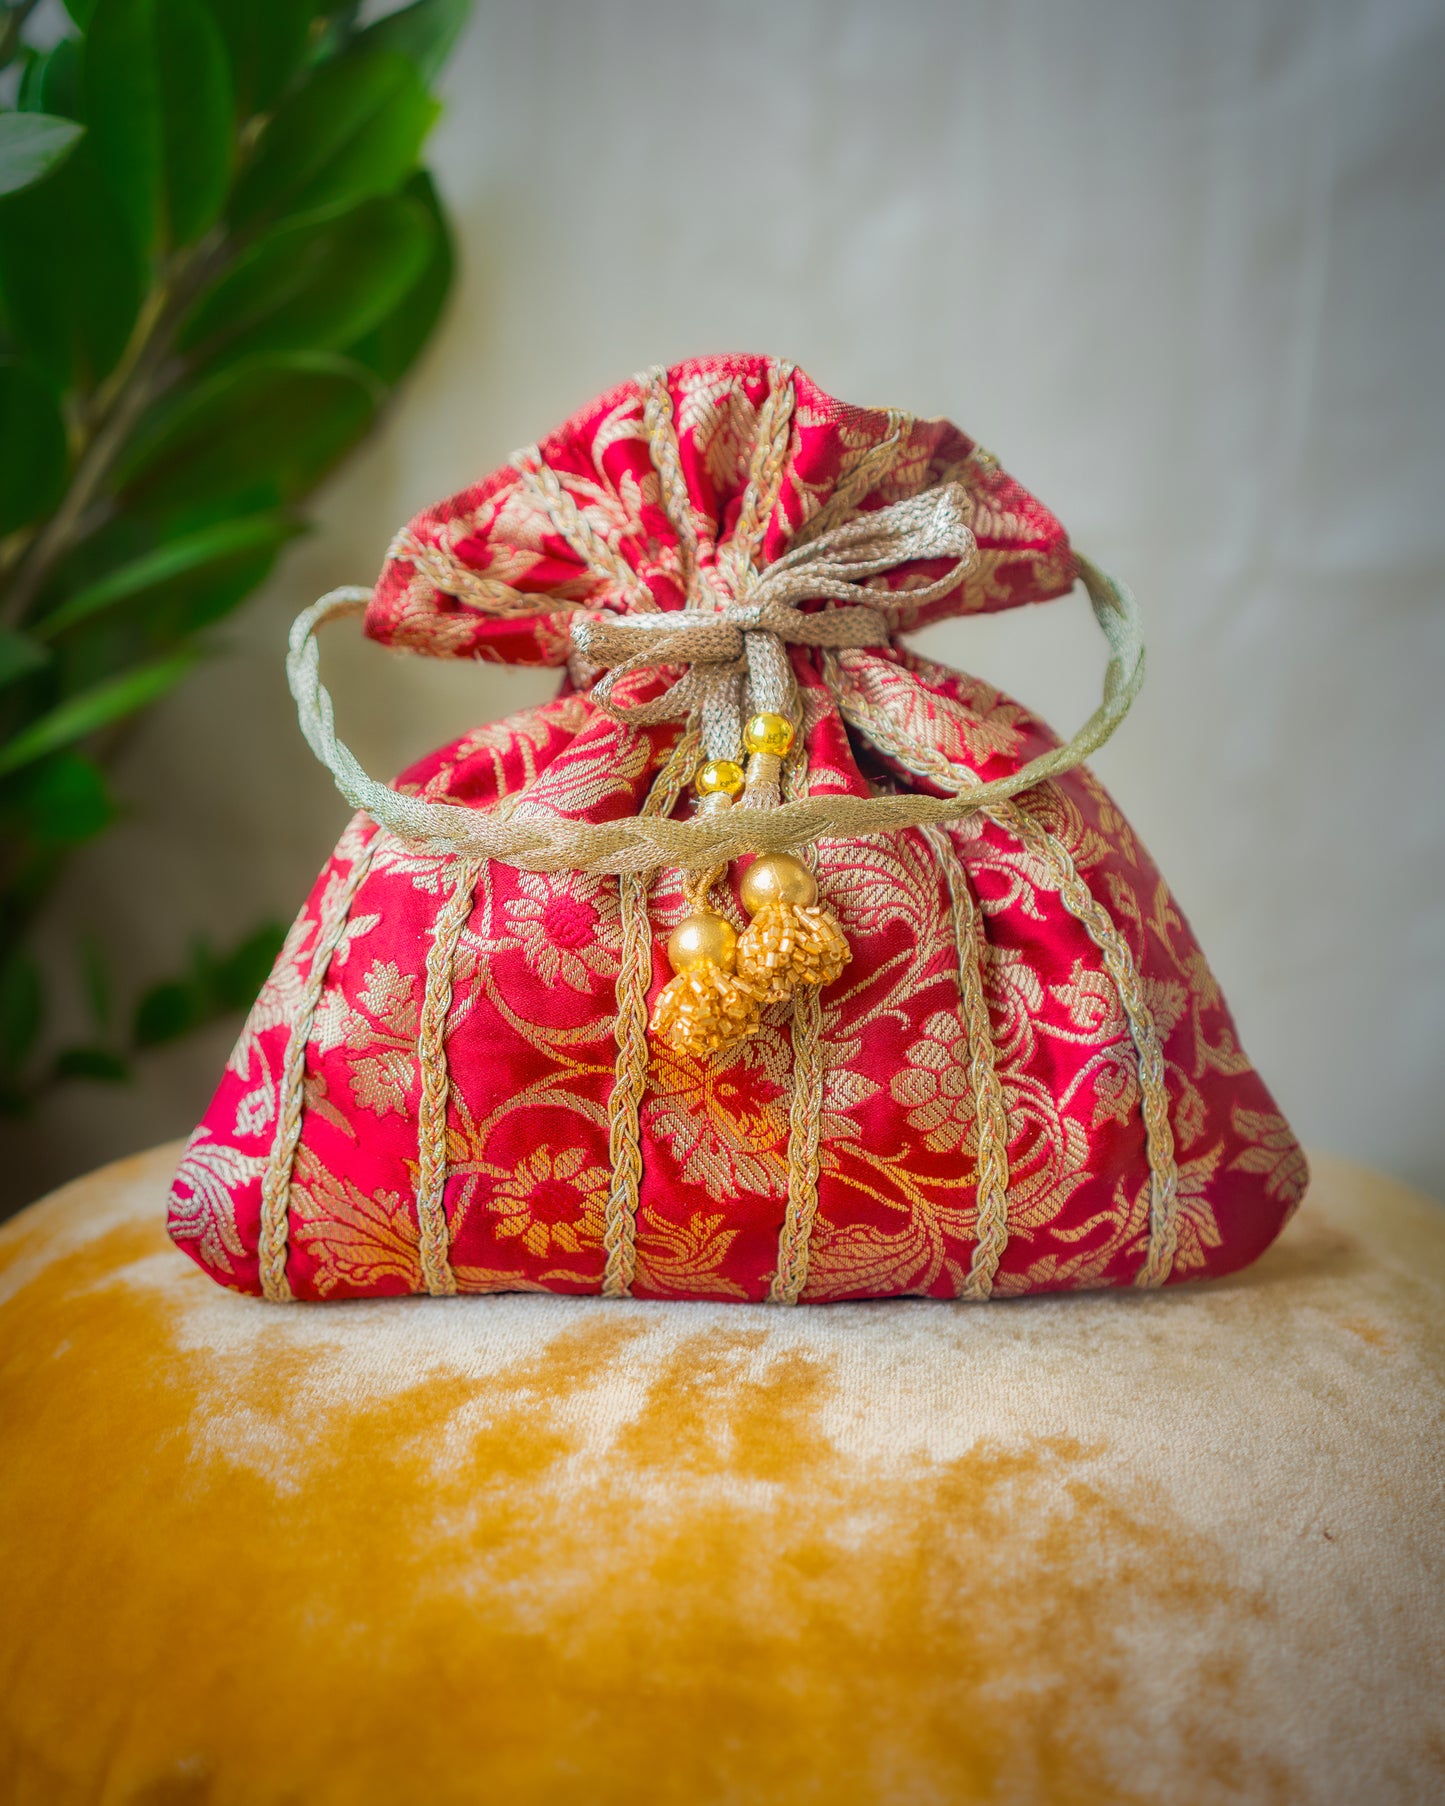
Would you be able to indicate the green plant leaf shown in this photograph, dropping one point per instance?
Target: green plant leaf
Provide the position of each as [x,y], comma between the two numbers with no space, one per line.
[27,90]
[62,801]
[337,31]
[52,81]
[81,11]
[31,145]
[22,999]
[157,96]
[351,131]
[19,656]
[33,455]
[98,1063]
[424,32]
[95,708]
[187,556]
[266,44]
[393,344]
[316,287]
[283,420]
[178,614]
[214,986]
[121,97]
[166,1012]
[70,274]
[96,981]
[238,976]
[198,142]
[160,619]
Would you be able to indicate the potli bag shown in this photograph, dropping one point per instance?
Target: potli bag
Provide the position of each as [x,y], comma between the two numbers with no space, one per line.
[770,960]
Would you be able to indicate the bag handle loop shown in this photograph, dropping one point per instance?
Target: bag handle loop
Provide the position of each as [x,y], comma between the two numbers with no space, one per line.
[539,839]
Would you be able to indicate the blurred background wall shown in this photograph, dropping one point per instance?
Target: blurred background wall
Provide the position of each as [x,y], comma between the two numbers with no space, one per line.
[1181,267]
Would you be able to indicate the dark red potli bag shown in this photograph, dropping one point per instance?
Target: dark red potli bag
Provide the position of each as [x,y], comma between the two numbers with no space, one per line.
[770,961]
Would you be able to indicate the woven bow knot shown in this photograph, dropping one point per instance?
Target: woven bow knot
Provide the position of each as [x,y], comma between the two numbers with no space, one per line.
[747,637]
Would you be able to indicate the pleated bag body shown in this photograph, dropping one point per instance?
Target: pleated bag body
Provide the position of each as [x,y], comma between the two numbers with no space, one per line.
[974,1050]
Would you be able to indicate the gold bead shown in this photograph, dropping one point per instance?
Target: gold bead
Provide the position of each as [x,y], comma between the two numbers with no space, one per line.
[723,775]
[777,878]
[768,734]
[703,937]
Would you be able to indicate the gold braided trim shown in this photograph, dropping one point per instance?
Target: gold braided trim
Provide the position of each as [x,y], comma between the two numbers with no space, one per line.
[624,1130]
[441,567]
[806,1107]
[804,1121]
[1081,903]
[765,479]
[770,459]
[992,1173]
[868,471]
[624,1143]
[571,523]
[666,453]
[431,1056]
[271,1241]
[542,840]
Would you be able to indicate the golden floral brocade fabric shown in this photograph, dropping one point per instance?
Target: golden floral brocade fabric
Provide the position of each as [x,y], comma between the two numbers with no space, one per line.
[1026,1078]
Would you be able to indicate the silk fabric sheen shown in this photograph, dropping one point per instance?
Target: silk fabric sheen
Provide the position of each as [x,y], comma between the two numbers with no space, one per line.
[530,1033]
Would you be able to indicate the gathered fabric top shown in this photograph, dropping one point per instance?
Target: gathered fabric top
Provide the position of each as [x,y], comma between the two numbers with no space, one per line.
[768,462]
[677,546]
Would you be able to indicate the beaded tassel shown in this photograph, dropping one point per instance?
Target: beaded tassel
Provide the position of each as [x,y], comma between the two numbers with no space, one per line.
[706,1006]
[722,982]
[792,939]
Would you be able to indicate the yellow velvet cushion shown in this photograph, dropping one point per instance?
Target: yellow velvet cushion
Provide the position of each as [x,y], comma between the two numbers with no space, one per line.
[1180,1546]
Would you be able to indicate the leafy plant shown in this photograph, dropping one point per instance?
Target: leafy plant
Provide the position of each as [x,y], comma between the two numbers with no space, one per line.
[218,254]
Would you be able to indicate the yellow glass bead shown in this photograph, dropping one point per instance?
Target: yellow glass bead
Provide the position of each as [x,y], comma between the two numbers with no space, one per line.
[777,878]
[768,734]
[700,937]
[719,775]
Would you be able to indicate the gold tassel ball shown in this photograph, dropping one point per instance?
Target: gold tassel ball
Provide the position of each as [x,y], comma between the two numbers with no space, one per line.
[792,939]
[706,1006]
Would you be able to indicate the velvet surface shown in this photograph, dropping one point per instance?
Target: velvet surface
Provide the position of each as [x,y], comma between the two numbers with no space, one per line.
[1111,1547]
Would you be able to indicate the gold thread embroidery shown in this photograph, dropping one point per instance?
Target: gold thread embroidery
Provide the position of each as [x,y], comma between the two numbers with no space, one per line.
[738,557]
[440,567]
[860,476]
[572,524]
[271,1241]
[1081,903]
[992,1172]
[666,454]
[431,1057]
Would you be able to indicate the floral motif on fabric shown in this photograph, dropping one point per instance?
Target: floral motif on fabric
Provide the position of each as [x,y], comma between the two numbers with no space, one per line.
[531,1029]
[552,1201]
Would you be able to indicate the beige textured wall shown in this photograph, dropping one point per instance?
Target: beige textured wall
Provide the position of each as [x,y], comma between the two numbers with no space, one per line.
[1181,267]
